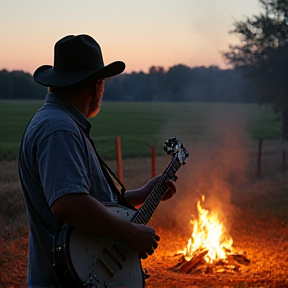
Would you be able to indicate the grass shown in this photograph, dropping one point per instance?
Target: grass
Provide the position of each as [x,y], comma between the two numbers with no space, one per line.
[14,115]
[139,125]
[264,123]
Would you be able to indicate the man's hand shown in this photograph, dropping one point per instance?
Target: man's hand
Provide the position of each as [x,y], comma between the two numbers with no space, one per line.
[145,240]
[137,197]
[171,190]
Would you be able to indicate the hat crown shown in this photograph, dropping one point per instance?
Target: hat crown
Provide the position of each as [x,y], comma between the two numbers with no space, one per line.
[77,53]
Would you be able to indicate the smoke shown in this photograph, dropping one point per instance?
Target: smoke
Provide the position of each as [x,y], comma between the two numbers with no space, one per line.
[216,168]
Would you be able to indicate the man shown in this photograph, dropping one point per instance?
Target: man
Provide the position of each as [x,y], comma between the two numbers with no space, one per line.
[63,178]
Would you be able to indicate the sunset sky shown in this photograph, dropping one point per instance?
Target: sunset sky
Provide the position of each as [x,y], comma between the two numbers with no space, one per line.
[141,33]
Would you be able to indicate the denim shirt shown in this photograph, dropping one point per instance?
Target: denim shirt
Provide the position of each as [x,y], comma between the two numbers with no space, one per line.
[56,159]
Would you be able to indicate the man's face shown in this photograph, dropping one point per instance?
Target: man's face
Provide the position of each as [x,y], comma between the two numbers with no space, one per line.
[96,99]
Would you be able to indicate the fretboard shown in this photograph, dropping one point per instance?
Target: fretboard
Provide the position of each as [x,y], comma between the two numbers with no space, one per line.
[146,211]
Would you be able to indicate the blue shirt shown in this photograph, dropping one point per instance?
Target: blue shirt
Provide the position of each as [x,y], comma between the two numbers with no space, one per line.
[56,159]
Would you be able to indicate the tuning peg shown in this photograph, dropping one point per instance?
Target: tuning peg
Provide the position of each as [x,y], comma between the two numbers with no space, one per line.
[173,139]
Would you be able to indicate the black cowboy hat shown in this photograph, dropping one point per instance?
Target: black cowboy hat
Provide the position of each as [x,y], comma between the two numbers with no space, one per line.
[76,58]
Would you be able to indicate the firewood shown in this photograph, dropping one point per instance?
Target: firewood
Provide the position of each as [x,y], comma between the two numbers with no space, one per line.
[176,267]
[188,266]
[197,264]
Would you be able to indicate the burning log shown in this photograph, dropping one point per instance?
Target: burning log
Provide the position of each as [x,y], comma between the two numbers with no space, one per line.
[197,264]
[186,266]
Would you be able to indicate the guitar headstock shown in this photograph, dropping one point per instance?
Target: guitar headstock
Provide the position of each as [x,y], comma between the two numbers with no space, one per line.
[173,146]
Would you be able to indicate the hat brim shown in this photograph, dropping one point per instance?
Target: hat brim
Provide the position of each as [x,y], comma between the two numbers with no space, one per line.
[47,76]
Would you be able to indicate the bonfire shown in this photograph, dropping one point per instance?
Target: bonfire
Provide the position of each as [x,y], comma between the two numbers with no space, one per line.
[209,248]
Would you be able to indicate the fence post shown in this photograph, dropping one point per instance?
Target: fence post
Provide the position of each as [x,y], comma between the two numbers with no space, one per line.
[259,157]
[284,160]
[153,163]
[119,160]
[284,143]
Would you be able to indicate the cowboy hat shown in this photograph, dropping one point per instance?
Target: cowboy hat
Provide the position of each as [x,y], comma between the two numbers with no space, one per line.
[76,58]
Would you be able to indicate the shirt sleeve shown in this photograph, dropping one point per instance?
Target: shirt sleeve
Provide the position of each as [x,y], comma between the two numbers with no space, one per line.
[62,165]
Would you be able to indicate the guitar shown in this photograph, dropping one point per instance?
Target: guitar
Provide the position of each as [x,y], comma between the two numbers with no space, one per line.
[85,260]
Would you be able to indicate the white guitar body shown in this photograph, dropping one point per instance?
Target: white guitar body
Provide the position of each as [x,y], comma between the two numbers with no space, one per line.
[96,256]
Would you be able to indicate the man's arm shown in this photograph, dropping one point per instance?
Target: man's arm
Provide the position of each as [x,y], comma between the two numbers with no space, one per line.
[138,196]
[86,213]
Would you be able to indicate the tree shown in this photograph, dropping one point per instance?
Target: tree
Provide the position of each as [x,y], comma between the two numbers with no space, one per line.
[263,55]
[20,85]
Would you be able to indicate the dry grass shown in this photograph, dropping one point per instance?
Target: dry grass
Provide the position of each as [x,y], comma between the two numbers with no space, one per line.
[12,208]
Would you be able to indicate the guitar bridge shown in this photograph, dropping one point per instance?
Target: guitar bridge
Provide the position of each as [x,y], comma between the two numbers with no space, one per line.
[108,260]
[106,266]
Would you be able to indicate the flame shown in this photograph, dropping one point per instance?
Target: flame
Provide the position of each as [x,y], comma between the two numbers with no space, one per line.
[208,234]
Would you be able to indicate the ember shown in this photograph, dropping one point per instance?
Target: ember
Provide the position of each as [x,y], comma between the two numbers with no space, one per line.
[209,249]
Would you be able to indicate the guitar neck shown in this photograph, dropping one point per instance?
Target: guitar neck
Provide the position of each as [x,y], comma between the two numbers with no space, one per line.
[146,211]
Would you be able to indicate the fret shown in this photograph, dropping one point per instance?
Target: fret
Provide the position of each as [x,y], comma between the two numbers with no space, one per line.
[151,206]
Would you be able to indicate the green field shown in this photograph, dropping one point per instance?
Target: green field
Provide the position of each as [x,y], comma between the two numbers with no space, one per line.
[139,125]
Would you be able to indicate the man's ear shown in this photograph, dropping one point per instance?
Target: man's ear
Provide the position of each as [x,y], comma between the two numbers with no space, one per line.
[92,84]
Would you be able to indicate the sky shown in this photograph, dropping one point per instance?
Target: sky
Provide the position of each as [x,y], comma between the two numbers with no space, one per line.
[142,33]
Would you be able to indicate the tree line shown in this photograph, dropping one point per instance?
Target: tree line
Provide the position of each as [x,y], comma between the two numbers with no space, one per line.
[263,55]
[178,83]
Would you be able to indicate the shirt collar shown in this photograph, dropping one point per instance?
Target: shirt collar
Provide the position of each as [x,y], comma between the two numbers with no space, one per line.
[77,116]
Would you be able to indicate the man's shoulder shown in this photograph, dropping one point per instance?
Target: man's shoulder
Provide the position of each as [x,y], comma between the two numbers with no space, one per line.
[50,120]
